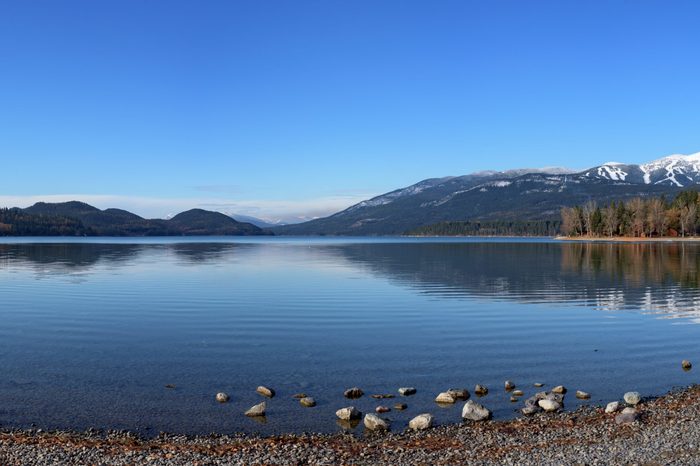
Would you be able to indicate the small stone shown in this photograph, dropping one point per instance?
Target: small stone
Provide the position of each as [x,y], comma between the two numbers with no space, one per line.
[582,395]
[308,401]
[459,393]
[558,397]
[538,384]
[222,397]
[560,389]
[686,365]
[264,391]
[170,386]
[612,407]
[549,405]
[475,412]
[353,393]
[518,393]
[627,416]
[633,398]
[382,409]
[530,410]
[509,385]
[374,422]
[513,399]
[407,391]
[299,396]
[445,397]
[348,414]
[257,410]
[481,390]
[421,422]
[400,406]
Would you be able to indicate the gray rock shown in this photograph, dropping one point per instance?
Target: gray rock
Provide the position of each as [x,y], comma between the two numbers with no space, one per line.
[264,391]
[445,397]
[349,413]
[549,405]
[257,410]
[421,422]
[557,397]
[560,389]
[529,410]
[475,412]
[400,406]
[582,395]
[222,397]
[538,384]
[633,398]
[686,365]
[459,393]
[374,422]
[627,416]
[509,385]
[481,390]
[517,393]
[308,401]
[612,407]
[382,409]
[353,393]
[407,391]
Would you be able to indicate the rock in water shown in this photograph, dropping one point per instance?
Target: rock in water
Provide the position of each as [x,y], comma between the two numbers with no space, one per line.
[353,393]
[509,385]
[459,393]
[407,391]
[347,414]
[400,406]
[518,393]
[382,409]
[264,391]
[475,412]
[257,410]
[686,365]
[299,396]
[222,397]
[626,416]
[559,389]
[481,390]
[633,398]
[538,384]
[421,422]
[445,397]
[582,395]
[308,402]
[374,422]
[612,407]
[549,405]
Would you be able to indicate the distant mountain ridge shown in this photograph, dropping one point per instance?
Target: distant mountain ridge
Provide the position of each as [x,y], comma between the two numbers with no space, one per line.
[79,218]
[521,194]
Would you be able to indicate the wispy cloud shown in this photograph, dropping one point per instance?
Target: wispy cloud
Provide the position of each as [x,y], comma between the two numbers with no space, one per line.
[155,207]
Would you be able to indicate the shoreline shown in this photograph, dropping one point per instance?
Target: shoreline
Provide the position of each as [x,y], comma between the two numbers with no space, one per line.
[664,433]
[630,239]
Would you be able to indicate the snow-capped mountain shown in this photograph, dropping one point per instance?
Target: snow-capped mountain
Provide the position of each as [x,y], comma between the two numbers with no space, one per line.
[521,194]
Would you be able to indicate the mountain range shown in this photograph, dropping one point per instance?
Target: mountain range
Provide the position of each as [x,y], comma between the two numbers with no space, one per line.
[79,218]
[522,194]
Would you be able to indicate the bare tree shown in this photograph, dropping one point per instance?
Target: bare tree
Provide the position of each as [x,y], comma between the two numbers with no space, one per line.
[570,221]
[688,218]
[610,220]
[656,217]
[637,211]
[589,209]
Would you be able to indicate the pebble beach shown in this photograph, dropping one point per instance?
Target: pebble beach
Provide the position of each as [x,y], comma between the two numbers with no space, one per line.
[664,432]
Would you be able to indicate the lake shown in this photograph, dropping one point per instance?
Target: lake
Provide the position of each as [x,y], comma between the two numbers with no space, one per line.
[94,329]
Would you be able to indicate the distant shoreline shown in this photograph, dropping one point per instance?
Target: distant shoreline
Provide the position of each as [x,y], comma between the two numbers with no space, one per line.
[630,239]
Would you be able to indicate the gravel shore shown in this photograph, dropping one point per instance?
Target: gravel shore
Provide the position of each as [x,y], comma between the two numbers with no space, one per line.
[667,432]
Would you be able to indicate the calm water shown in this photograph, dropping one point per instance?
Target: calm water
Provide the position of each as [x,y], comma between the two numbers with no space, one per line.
[92,331]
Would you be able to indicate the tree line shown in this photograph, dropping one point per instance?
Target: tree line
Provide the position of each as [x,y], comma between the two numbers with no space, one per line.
[15,222]
[489,228]
[638,217]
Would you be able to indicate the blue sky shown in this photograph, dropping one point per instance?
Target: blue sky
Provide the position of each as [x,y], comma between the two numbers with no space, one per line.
[299,108]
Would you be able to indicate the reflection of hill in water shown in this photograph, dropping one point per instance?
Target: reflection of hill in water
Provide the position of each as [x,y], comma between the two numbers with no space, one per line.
[652,277]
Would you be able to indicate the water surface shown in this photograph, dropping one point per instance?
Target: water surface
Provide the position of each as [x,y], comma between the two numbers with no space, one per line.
[92,330]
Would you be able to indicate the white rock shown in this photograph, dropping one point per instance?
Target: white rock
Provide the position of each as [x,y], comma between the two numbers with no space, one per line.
[265,391]
[581,395]
[348,413]
[421,422]
[257,410]
[445,397]
[222,397]
[407,391]
[475,412]
[560,389]
[633,398]
[549,405]
[374,422]
[612,407]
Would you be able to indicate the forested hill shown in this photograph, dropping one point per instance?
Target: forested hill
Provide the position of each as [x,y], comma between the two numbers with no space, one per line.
[80,219]
[494,228]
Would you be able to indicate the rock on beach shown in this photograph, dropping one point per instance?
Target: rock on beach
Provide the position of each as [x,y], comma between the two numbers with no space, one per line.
[549,405]
[627,416]
[612,407]
[633,398]
[475,412]
[421,422]
[374,422]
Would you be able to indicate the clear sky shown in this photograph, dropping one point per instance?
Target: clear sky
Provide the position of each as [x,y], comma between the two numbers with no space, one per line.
[288,108]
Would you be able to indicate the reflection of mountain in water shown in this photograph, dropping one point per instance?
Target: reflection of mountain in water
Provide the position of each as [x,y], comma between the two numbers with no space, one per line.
[650,277]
